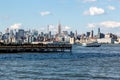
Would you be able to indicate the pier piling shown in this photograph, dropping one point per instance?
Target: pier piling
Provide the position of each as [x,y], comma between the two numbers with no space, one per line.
[35,48]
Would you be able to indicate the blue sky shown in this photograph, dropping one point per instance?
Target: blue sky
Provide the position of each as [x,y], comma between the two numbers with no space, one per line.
[80,15]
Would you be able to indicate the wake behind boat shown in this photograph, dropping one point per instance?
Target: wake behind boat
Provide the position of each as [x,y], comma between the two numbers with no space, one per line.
[91,44]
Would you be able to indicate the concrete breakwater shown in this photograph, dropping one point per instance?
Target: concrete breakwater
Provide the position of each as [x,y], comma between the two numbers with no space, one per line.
[15,48]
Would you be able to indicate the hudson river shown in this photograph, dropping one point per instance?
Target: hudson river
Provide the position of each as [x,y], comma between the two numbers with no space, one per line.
[84,63]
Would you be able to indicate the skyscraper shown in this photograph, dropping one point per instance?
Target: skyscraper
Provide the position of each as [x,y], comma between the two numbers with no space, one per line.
[21,33]
[88,34]
[98,30]
[76,34]
[99,33]
[7,30]
[91,34]
[59,28]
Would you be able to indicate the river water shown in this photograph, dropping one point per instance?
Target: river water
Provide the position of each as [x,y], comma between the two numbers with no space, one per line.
[84,63]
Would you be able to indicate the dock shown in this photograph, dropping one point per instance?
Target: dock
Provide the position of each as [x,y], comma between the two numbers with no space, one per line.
[17,48]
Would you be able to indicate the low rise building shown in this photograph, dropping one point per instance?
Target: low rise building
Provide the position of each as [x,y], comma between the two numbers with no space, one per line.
[105,40]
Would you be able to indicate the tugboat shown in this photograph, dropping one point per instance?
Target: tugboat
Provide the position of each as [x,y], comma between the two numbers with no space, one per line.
[91,44]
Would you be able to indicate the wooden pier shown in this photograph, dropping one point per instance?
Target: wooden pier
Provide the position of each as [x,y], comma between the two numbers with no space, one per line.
[16,48]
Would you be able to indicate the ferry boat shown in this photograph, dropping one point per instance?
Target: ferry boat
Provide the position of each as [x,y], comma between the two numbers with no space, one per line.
[91,44]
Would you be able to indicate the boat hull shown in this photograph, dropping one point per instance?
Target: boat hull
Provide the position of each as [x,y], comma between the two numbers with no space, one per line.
[91,44]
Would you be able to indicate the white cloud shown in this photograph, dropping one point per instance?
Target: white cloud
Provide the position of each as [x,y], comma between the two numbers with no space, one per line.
[111,8]
[113,0]
[16,26]
[67,28]
[89,0]
[106,24]
[110,24]
[45,13]
[94,11]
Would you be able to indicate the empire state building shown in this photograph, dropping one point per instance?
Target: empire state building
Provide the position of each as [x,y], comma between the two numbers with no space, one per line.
[59,28]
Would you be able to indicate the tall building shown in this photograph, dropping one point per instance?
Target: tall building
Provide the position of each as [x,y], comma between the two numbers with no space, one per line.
[20,37]
[49,35]
[42,34]
[76,34]
[59,28]
[48,29]
[7,30]
[21,33]
[98,30]
[49,32]
[0,35]
[91,34]
[88,34]
[71,34]
[99,33]
[11,33]
[35,32]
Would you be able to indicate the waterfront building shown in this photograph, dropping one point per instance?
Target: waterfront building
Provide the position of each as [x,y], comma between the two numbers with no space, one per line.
[110,35]
[105,40]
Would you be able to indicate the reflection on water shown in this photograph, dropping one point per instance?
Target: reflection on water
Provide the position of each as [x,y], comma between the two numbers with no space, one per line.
[102,63]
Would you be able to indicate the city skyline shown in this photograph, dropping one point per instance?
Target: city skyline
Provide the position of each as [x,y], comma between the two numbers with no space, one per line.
[80,15]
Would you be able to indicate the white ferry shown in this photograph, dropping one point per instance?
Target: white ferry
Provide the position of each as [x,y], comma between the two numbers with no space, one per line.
[91,44]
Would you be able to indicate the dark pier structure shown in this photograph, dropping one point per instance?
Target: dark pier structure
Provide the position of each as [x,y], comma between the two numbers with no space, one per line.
[17,48]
